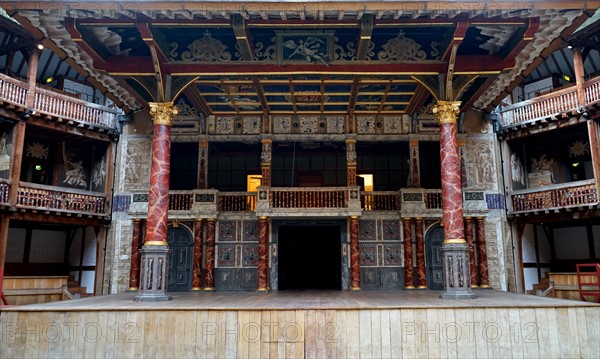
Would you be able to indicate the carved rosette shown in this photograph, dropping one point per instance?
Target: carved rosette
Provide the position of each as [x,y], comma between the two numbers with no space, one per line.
[163,112]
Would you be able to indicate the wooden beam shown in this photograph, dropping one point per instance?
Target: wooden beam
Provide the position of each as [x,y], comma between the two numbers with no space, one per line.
[71,27]
[364,40]
[242,38]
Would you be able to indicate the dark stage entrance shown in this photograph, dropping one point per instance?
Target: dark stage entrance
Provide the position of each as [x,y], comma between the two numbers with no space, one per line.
[310,257]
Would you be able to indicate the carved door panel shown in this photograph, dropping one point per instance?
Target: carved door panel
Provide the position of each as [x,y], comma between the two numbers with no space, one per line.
[434,258]
[180,260]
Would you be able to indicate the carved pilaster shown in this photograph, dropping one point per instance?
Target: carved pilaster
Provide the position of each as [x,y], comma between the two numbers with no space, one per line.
[265,162]
[351,161]
[203,165]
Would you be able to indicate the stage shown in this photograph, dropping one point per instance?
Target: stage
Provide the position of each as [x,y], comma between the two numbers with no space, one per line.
[298,324]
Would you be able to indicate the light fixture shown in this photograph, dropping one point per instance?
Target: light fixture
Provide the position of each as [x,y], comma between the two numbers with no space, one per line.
[575,164]
[40,46]
[569,46]
[49,79]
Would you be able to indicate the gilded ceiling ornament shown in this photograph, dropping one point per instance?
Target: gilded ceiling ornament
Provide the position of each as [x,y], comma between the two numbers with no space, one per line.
[185,110]
[206,49]
[446,111]
[163,112]
[401,48]
[268,53]
[312,49]
[426,110]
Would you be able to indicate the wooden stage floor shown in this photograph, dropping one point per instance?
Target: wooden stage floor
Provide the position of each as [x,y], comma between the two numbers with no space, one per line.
[304,324]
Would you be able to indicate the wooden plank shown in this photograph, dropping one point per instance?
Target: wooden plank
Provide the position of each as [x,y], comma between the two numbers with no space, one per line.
[478,327]
[311,334]
[583,336]
[552,340]
[395,333]
[529,329]
[110,335]
[189,334]
[431,332]
[299,343]
[330,332]
[463,343]
[227,346]
[491,332]
[573,333]
[562,322]
[274,334]
[352,334]
[423,336]
[96,332]
[364,331]
[341,340]
[375,332]
[385,331]
[593,325]
[242,342]
[451,333]
[265,319]
[175,324]
[410,329]
[89,346]
[212,332]
[517,345]
[205,334]
[252,331]
[35,331]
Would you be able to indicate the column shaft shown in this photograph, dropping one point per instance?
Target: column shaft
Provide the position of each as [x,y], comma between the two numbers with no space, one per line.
[469,239]
[197,261]
[421,274]
[136,240]
[354,255]
[409,276]
[209,269]
[4,222]
[482,254]
[263,254]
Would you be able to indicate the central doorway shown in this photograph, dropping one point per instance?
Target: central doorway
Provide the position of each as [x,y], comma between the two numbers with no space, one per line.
[310,257]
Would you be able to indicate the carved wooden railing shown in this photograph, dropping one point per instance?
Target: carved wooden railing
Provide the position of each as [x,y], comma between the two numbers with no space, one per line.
[549,105]
[180,200]
[237,201]
[4,186]
[57,105]
[433,199]
[12,90]
[380,201]
[42,197]
[564,195]
[332,197]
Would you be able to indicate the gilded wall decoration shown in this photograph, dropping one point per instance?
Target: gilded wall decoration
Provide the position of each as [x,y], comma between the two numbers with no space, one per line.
[335,124]
[262,53]
[224,125]
[37,150]
[206,49]
[252,125]
[310,48]
[579,148]
[349,53]
[185,110]
[401,48]
[365,124]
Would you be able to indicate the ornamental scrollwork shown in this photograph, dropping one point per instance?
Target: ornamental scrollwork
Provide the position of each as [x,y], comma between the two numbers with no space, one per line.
[186,110]
[163,112]
[447,111]
[401,48]
[206,49]
[268,53]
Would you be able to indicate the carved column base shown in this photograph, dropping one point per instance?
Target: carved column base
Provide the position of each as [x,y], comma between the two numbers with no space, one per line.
[457,277]
[153,283]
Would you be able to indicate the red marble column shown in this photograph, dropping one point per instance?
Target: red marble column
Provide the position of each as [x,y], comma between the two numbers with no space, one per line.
[457,277]
[209,268]
[409,276]
[421,274]
[197,261]
[263,254]
[354,255]
[158,198]
[136,240]
[469,239]
[154,253]
[482,254]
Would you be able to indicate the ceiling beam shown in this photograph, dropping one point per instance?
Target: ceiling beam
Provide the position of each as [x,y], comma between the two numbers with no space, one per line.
[366,30]
[158,60]
[242,38]
[76,36]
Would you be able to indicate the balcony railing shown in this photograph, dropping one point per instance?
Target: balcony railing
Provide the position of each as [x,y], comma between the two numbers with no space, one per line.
[433,199]
[57,105]
[380,201]
[308,198]
[3,190]
[237,202]
[560,196]
[44,198]
[549,105]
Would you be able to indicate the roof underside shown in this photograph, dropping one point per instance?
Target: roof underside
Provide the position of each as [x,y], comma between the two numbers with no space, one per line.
[246,59]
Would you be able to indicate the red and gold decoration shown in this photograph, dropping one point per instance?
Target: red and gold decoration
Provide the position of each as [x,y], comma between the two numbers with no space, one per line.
[469,239]
[136,239]
[209,269]
[421,273]
[197,261]
[263,254]
[482,254]
[354,255]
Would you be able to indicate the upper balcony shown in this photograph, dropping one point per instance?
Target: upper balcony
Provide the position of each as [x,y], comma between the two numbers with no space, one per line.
[42,199]
[57,107]
[550,107]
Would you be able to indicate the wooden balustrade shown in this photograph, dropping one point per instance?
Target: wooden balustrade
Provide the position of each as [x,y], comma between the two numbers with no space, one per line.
[572,194]
[380,201]
[308,198]
[58,105]
[3,192]
[237,201]
[433,199]
[179,201]
[49,198]
[549,105]
[12,90]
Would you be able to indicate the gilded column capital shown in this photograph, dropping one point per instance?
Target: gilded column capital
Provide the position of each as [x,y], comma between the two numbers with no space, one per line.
[163,112]
[446,111]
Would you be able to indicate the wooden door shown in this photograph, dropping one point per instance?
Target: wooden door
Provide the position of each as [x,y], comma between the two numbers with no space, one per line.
[180,259]
[434,258]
